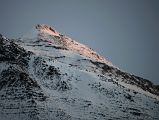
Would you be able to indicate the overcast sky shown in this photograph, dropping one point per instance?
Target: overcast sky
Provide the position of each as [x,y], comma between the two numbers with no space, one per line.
[124,31]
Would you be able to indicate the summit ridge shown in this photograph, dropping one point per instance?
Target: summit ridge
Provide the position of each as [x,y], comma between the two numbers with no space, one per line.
[50,36]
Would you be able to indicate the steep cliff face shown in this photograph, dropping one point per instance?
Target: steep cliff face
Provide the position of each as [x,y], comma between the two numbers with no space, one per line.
[49,76]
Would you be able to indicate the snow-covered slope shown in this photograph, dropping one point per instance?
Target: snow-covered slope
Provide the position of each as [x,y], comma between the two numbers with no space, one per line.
[48,76]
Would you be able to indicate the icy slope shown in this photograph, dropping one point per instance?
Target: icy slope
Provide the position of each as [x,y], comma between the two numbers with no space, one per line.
[48,76]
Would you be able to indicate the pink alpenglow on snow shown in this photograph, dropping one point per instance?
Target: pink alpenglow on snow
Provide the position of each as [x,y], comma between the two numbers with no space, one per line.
[48,33]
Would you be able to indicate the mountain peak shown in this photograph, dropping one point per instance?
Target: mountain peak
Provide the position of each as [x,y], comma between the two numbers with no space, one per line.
[46,29]
[45,34]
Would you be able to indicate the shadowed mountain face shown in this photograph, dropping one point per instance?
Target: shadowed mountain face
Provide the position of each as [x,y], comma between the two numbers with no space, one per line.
[49,76]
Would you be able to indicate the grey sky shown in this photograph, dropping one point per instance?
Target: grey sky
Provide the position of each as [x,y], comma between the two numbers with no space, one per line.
[124,31]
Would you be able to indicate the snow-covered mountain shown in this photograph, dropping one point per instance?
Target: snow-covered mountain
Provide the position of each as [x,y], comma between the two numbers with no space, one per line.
[48,76]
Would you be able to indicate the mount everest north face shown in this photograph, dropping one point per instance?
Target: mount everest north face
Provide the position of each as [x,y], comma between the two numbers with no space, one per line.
[46,75]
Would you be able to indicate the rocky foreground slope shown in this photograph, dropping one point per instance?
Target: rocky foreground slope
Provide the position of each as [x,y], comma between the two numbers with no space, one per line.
[49,76]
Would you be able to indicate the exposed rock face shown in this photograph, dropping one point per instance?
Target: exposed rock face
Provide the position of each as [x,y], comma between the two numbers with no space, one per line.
[52,77]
